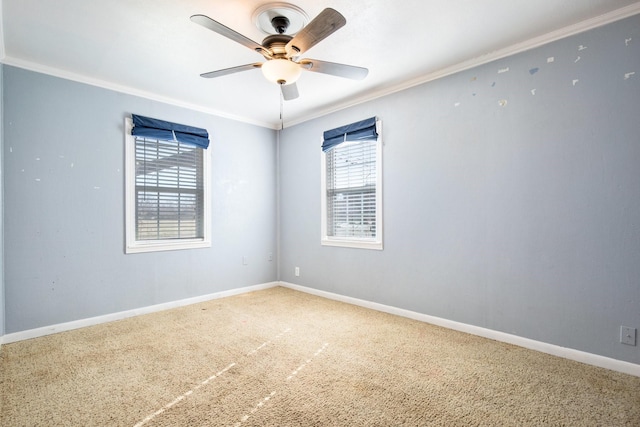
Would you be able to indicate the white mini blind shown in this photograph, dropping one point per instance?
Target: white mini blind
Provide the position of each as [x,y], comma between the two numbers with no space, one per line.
[351,190]
[169,196]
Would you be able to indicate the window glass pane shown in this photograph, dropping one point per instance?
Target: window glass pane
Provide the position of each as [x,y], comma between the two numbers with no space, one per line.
[351,190]
[169,190]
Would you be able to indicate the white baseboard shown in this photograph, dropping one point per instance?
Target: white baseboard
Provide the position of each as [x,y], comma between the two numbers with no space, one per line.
[555,350]
[76,324]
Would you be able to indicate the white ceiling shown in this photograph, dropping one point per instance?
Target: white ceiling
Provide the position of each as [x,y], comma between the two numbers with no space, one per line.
[151,48]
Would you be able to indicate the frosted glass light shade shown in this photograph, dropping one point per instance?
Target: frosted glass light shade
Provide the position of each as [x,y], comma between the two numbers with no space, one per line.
[281,71]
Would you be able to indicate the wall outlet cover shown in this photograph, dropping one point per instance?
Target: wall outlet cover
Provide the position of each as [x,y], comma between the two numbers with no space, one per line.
[627,335]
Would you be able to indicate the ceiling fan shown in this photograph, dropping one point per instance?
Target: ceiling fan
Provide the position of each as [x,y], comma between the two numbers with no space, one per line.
[282,50]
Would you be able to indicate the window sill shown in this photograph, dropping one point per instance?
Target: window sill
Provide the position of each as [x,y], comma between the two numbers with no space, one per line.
[357,244]
[156,246]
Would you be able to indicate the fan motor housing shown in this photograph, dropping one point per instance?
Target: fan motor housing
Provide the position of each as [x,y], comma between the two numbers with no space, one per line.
[276,44]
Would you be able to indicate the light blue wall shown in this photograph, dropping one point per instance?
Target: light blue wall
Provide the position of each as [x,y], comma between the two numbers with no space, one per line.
[511,196]
[64,206]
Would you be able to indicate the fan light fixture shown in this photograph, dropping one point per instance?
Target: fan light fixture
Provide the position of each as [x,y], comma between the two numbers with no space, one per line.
[281,71]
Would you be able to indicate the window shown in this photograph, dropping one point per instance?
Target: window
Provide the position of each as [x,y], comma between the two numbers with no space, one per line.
[352,188]
[167,196]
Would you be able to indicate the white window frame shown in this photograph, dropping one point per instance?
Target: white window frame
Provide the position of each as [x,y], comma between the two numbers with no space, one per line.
[354,242]
[139,246]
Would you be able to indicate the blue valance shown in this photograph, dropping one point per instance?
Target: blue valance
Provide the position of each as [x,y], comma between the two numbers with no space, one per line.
[167,131]
[364,129]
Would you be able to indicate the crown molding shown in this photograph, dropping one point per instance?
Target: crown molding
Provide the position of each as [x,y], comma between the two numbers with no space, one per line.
[533,43]
[67,75]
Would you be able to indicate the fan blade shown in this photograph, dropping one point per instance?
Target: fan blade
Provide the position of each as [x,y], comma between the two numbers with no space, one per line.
[219,73]
[289,91]
[321,27]
[340,70]
[223,30]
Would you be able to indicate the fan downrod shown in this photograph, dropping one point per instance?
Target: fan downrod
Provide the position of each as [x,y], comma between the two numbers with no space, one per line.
[280,24]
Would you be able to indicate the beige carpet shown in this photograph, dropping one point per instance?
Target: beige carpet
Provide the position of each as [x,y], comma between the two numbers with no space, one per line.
[283,358]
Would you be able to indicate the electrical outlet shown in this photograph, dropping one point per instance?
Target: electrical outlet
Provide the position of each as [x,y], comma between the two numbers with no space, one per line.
[627,335]
[244,260]
[297,271]
[270,256]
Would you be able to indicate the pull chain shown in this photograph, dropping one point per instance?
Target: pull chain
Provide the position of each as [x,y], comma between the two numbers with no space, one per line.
[281,110]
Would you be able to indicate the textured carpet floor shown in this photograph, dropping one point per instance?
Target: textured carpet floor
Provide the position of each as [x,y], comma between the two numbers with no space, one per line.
[283,358]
